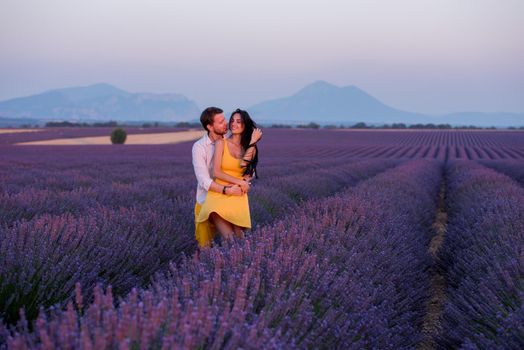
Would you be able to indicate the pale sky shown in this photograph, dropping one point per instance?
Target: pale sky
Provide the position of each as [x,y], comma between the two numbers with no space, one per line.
[430,56]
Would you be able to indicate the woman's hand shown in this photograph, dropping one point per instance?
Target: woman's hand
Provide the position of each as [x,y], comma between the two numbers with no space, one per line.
[256,136]
[244,186]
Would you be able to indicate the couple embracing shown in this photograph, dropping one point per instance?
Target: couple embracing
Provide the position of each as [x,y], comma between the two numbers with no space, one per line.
[224,166]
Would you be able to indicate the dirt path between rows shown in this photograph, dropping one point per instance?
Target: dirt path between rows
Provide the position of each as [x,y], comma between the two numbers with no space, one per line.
[432,325]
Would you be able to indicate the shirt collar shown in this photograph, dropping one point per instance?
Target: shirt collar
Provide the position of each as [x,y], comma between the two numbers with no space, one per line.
[208,140]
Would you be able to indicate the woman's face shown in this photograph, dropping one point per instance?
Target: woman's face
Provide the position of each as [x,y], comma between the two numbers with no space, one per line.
[236,125]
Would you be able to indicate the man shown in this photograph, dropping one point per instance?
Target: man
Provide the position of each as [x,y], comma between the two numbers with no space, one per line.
[214,122]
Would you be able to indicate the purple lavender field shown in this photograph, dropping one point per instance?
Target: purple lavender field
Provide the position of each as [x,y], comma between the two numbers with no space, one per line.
[361,239]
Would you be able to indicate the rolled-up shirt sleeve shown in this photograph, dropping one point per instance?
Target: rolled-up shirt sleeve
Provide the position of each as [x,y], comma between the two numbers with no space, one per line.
[200,166]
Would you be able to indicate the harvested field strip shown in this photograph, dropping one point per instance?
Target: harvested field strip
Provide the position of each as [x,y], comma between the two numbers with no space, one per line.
[141,139]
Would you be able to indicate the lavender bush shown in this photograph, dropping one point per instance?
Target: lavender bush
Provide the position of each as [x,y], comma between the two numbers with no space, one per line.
[483,257]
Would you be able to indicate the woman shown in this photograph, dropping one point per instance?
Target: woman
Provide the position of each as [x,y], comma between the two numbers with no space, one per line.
[234,163]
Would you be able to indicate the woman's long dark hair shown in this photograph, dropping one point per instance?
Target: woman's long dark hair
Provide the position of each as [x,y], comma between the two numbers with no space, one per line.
[245,138]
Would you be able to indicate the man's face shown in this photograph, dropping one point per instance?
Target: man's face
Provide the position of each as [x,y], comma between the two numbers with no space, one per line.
[219,125]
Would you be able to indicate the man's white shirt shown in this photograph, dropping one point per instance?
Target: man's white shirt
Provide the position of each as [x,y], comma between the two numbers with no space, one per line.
[202,153]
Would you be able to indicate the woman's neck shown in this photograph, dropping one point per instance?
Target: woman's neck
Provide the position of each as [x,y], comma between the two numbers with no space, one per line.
[236,138]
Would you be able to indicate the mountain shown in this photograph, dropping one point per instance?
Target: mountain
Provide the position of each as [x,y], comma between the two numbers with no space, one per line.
[100,102]
[325,103]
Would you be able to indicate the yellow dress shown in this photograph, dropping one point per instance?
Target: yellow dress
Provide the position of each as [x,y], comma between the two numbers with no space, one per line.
[234,209]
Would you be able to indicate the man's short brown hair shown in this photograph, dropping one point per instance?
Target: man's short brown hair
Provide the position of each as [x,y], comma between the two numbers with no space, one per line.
[206,118]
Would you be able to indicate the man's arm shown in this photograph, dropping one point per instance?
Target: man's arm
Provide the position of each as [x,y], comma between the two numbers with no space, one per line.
[202,173]
[233,190]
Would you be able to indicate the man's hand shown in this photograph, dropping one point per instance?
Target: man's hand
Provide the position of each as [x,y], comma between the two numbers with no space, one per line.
[234,191]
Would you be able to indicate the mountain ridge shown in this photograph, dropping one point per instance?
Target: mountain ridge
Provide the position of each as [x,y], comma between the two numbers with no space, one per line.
[320,102]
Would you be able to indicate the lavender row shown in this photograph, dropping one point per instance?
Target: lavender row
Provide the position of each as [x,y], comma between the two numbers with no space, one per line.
[278,196]
[483,258]
[32,203]
[41,259]
[513,168]
[343,272]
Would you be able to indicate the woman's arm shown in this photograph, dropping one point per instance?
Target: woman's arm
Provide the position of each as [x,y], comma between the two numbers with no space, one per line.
[248,156]
[251,151]
[217,168]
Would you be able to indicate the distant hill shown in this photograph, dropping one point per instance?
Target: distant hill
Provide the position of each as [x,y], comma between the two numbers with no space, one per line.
[485,119]
[325,103]
[100,102]
[19,122]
